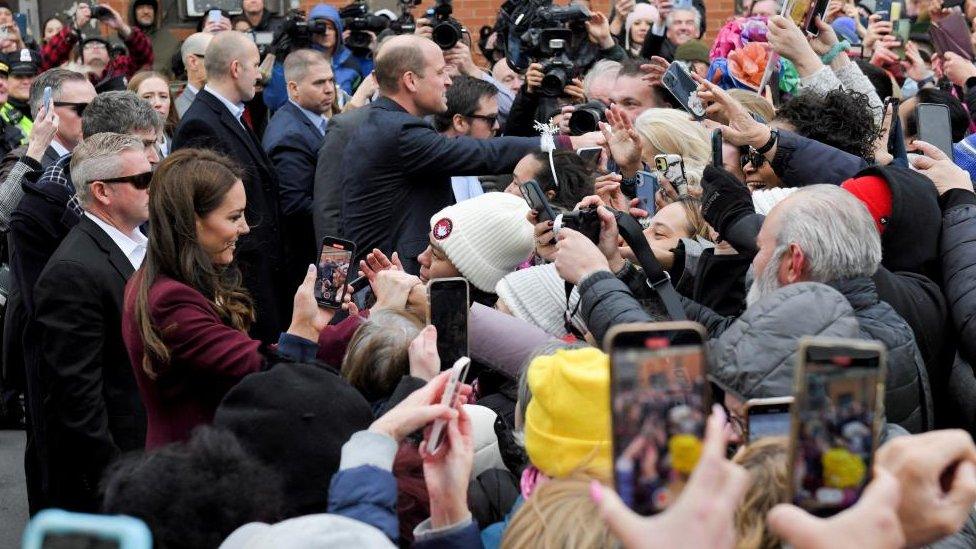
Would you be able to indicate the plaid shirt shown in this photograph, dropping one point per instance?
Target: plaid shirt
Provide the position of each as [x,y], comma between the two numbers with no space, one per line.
[58,50]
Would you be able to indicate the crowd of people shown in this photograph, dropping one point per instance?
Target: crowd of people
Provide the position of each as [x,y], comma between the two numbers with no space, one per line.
[171,352]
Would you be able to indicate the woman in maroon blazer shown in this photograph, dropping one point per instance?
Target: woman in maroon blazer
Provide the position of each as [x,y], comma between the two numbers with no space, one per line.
[186,314]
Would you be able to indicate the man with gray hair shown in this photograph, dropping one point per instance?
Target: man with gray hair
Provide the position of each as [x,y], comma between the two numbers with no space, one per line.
[676,27]
[90,406]
[214,121]
[821,234]
[193,52]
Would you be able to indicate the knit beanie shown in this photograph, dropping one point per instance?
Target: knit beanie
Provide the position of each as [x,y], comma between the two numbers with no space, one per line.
[873,191]
[692,50]
[567,422]
[538,296]
[485,237]
[640,11]
[763,200]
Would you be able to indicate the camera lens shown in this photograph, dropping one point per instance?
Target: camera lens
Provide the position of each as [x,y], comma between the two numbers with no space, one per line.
[445,35]
[553,81]
[587,117]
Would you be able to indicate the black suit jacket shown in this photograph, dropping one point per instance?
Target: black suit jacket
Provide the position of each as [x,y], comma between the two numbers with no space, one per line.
[327,193]
[292,142]
[90,402]
[396,174]
[208,124]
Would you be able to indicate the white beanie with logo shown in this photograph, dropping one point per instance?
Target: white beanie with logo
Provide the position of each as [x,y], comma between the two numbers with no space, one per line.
[485,237]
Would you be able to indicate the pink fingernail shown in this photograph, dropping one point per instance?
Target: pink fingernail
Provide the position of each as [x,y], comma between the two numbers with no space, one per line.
[596,491]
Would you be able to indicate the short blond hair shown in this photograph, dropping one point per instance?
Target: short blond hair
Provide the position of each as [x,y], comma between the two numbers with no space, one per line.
[754,103]
[560,513]
[670,131]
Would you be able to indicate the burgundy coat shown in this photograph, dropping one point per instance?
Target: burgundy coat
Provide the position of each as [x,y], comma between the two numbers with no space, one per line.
[207,357]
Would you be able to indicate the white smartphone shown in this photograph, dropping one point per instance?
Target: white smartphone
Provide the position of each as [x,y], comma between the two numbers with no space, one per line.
[213,16]
[449,398]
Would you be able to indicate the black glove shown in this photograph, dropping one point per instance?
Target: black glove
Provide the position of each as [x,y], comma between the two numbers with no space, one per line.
[725,199]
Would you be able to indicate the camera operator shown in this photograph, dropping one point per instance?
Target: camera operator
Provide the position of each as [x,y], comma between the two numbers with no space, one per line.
[325,34]
[95,50]
[398,168]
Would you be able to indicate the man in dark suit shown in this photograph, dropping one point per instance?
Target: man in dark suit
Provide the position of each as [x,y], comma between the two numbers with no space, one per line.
[397,169]
[327,192]
[213,121]
[90,403]
[292,141]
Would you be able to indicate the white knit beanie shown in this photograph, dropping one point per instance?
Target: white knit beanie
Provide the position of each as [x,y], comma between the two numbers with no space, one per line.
[485,237]
[538,296]
[763,200]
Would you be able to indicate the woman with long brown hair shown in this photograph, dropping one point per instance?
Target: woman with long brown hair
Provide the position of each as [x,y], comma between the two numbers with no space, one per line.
[186,314]
[154,88]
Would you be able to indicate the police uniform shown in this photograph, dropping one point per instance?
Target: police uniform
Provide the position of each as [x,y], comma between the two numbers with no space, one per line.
[24,62]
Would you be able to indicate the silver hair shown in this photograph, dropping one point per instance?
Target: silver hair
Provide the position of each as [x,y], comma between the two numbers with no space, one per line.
[99,157]
[55,78]
[698,16]
[298,63]
[195,44]
[119,112]
[835,231]
[605,68]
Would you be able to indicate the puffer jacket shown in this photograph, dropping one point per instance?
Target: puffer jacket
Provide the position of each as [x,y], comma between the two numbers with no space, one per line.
[958,245]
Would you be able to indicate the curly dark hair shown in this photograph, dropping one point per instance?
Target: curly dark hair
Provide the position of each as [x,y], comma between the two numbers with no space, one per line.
[841,119]
[195,493]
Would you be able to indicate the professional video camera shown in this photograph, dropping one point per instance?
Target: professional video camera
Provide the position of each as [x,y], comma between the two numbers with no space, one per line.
[357,19]
[586,117]
[556,36]
[446,30]
[295,33]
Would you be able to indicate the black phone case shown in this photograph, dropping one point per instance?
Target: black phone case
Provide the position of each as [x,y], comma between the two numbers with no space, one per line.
[537,201]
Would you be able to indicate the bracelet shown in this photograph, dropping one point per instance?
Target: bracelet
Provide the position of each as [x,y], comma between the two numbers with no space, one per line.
[773,136]
[828,57]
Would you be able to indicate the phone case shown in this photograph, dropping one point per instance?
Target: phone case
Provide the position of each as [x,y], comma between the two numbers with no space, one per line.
[952,35]
[677,81]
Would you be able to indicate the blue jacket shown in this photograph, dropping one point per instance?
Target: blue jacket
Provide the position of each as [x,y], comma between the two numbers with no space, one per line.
[367,494]
[347,68]
[397,174]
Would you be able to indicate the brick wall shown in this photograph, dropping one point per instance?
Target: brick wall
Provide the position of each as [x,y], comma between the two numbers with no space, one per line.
[475,13]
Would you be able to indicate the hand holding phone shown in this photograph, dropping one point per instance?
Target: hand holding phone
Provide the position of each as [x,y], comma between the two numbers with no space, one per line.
[448,307]
[934,126]
[717,148]
[459,372]
[767,417]
[46,100]
[678,81]
[532,192]
[333,266]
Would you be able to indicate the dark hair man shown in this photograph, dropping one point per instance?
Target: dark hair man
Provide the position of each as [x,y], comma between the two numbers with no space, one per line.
[398,168]
[472,111]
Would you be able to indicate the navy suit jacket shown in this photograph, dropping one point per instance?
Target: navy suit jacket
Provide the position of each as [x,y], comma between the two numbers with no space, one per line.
[292,142]
[397,174]
[209,125]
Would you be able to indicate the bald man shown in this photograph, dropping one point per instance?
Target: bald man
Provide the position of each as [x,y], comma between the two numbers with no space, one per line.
[396,170]
[214,121]
[193,51]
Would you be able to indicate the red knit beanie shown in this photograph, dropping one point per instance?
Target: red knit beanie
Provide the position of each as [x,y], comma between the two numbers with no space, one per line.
[874,192]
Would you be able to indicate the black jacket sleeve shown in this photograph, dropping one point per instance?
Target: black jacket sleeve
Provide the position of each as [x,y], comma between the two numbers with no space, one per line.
[521,118]
[958,245]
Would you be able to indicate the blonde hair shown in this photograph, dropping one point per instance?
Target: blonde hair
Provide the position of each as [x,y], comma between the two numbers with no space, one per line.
[765,460]
[559,515]
[754,103]
[669,131]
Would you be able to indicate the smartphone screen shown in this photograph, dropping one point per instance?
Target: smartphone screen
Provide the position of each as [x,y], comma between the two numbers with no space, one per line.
[77,539]
[659,403]
[46,99]
[646,189]
[213,16]
[798,12]
[768,418]
[835,423]
[934,127]
[683,88]
[883,7]
[333,269]
[818,9]
[590,156]
[534,196]
[448,312]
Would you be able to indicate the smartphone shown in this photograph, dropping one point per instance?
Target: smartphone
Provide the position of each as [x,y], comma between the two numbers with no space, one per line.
[590,156]
[934,127]
[659,399]
[447,310]
[883,8]
[533,194]
[647,186]
[459,371]
[672,167]
[333,269]
[46,100]
[894,13]
[951,3]
[835,422]
[55,528]
[213,16]
[678,81]
[767,417]
[818,9]
[902,29]
[717,148]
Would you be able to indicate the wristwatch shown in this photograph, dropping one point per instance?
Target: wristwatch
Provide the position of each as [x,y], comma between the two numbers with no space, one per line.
[773,136]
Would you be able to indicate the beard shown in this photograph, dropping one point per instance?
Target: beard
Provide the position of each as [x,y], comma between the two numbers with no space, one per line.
[765,282]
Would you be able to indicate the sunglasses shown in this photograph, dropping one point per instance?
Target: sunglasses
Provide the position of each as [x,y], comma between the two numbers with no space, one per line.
[748,155]
[79,108]
[139,181]
[490,119]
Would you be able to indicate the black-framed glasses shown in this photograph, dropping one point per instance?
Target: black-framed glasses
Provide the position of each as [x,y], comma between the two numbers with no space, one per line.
[79,108]
[139,180]
[490,119]
[748,155]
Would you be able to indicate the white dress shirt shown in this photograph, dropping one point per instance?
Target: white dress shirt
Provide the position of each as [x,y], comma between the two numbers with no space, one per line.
[236,109]
[133,245]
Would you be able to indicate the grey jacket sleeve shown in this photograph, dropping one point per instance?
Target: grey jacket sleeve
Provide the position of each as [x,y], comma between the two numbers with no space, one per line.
[606,301]
[11,190]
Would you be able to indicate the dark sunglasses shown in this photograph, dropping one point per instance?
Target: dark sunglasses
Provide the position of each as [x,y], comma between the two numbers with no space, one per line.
[489,118]
[748,155]
[79,108]
[139,180]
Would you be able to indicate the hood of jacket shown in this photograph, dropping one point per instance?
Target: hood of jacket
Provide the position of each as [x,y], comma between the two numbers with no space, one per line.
[911,238]
[754,357]
[329,13]
[135,22]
